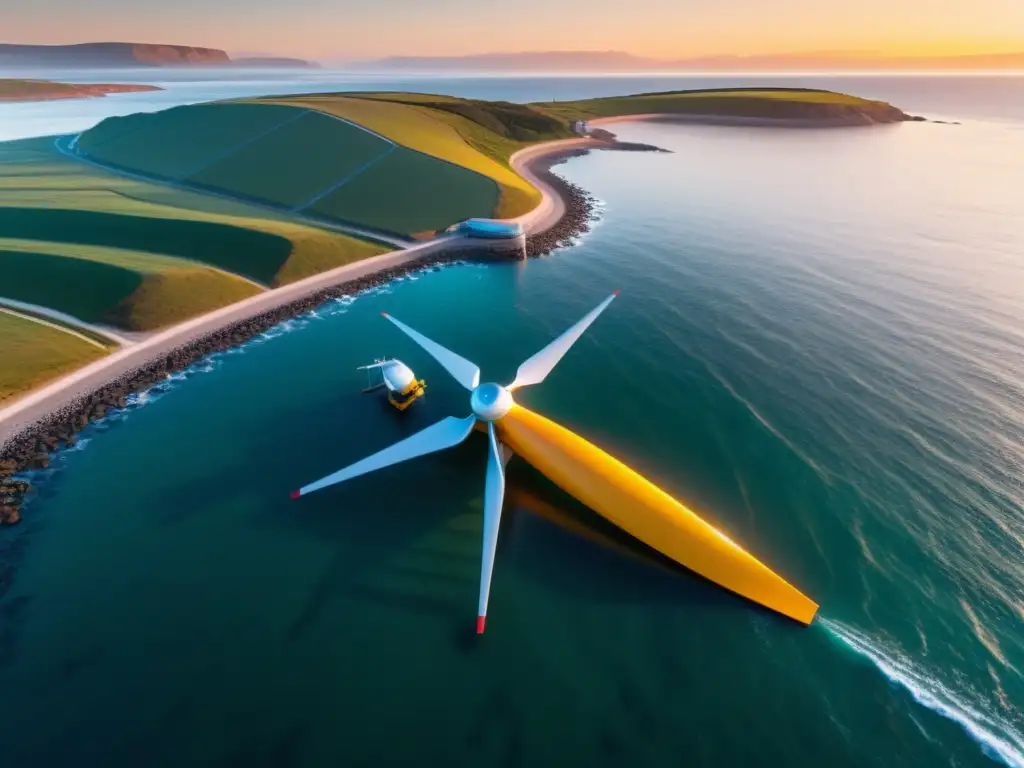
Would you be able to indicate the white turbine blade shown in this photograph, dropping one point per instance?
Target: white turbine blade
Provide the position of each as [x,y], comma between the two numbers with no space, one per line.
[494,494]
[463,371]
[444,434]
[536,369]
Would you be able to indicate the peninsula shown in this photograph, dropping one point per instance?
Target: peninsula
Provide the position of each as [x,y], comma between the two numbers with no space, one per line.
[114,54]
[151,240]
[45,90]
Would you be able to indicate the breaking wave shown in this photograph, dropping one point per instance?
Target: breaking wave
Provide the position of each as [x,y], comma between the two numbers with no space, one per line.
[997,738]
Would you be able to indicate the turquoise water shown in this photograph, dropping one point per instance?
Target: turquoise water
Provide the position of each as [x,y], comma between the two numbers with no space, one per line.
[817,345]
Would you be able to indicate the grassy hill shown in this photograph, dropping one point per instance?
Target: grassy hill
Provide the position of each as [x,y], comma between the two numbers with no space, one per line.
[477,135]
[408,164]
[128,289]
[46,196]
[130,254]
[34,353]
[768,103]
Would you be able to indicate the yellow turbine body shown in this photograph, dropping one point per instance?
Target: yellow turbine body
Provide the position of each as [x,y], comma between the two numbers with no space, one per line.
[640,508]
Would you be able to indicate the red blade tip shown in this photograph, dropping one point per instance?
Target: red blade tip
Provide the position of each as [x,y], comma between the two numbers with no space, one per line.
[615,292]
[480,624]
[383,314]
[296,494]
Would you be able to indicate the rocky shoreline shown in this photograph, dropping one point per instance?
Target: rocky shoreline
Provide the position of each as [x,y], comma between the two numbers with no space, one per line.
[32,447]
[579,204]
[579,207]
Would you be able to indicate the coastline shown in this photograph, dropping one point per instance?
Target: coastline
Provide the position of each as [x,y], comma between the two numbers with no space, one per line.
[35,425]
[80,91]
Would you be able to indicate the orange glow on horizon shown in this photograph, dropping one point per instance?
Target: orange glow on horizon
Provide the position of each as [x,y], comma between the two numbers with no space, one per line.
[660,29]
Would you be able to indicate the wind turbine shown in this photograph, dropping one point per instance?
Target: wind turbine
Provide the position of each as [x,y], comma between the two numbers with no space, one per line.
[594,477]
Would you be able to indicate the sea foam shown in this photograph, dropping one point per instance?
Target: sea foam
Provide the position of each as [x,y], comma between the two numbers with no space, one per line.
[997,738]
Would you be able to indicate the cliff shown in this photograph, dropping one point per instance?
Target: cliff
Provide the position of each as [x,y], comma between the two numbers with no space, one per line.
[85,55]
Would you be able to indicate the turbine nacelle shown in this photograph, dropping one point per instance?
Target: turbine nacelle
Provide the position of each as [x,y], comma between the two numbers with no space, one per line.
[491,401]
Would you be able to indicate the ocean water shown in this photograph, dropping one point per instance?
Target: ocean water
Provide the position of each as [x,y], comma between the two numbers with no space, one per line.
[817,345]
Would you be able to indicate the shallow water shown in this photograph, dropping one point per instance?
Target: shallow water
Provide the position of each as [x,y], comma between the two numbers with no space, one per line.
[817,344]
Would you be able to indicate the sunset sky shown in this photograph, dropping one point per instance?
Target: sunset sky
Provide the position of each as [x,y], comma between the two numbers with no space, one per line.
[343,29]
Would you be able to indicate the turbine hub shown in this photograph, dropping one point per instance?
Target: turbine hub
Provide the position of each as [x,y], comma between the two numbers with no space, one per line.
[490,401]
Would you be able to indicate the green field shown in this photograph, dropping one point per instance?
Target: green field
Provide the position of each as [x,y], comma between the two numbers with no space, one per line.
[130,254]
[179,141]
[459,131]
[44,195]
[411,193]
[382,185]
[256,255]
[271,169]
[128,289]
[34,353]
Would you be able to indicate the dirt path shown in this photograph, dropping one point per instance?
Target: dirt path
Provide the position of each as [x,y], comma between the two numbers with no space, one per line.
[67,320]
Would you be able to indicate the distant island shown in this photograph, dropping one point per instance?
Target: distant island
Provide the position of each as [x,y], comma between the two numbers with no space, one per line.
[618,61]
[45,90]
[106,55]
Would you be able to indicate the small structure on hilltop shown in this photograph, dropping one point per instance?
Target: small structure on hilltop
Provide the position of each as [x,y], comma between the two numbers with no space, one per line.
[580,127]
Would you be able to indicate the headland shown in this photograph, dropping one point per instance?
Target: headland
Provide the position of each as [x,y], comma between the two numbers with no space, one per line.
[47,90]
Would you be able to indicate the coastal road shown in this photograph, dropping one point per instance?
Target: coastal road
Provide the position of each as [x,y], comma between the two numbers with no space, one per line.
[532,164]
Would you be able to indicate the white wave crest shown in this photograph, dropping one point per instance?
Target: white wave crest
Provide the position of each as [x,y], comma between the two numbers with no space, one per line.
[997,738]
